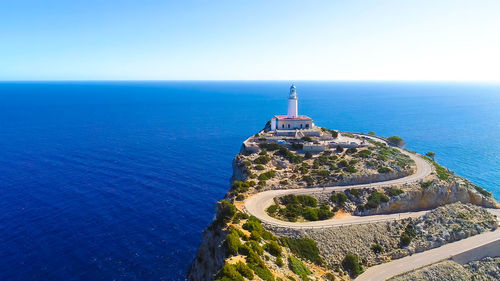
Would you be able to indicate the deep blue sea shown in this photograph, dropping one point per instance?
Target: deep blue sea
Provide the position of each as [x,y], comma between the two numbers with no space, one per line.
[117,180]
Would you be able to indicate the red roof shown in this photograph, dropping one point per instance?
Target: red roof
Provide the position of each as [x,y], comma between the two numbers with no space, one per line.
[300,117]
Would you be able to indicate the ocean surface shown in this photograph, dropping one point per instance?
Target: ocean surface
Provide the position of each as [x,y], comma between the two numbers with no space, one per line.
[117,180]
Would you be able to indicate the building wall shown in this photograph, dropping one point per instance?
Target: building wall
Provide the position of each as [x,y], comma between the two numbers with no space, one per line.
[292,124]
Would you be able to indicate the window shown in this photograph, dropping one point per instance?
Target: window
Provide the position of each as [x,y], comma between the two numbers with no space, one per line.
[288,126]
[283,126]
[307,125]
[301,126]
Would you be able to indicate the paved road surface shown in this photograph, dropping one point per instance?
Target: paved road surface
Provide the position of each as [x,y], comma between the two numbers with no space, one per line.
[409,263]
[258,203]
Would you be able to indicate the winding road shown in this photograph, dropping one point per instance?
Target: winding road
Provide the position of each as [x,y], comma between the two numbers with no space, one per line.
[257,204]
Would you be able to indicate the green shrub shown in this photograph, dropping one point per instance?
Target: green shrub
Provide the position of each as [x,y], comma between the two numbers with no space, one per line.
[396,141]
[407,236]
[263,159]
[384,170]
[482,191]
[226,211]
[352,265]
[252,224]
[267,175]
[231,244]
[339,198]
[324,212]
[350,169]
[272,209]
[323,173]
[353,192]
[297,146]
[307,200]
[273,248]
[269,146]
[342,163]
[259,167]
[425,184]
[255,235]
[244,249]
[394,191]
[297,267]
[262,272]
[308,179]
[404,240]
[377,248]
[310,214]
[266,235]
[351,150]
[255,246]
[254,258]
[305,248]
[279,262]
[308,155]
[431,155]
[375,199]
[290,156]
[229,272]
[371,133]
[244,270]
[339,149]
[241,186]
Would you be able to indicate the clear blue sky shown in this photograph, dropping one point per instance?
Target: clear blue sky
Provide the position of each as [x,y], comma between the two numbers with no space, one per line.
[224,40]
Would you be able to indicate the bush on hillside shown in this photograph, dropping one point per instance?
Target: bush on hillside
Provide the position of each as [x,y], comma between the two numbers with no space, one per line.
[375,199]
[269,146]
[352,265]
[339,198]
[273,248]
[308,155]
[226,211]
[263,159]
[229,272]
[297,267]
[244,270]
[384,170]
[305,248]
[396,141]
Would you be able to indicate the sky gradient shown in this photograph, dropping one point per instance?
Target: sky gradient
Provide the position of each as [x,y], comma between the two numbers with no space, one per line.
[250,40]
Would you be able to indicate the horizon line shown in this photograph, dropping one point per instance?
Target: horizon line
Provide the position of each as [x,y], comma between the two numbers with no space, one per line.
[248,80]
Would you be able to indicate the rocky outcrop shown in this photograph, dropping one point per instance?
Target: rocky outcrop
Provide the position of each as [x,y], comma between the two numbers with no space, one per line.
[372,178]
[438,193]
[210,256]
[485,269]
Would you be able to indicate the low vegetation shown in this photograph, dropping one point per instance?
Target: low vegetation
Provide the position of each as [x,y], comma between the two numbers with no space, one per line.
[351,264]
[300,206]
[305,248]
[396,141]
[297,267]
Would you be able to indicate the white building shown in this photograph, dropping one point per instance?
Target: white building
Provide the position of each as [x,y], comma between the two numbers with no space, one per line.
[292,121]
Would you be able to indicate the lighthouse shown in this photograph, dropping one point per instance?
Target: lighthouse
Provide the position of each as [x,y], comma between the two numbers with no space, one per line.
[292,121]
[293,103]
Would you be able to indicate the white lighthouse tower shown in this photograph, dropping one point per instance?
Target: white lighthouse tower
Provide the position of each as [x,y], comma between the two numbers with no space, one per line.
[293,110]
[288,124]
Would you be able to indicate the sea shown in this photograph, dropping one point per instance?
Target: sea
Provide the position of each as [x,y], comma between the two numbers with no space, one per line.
[117,180]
